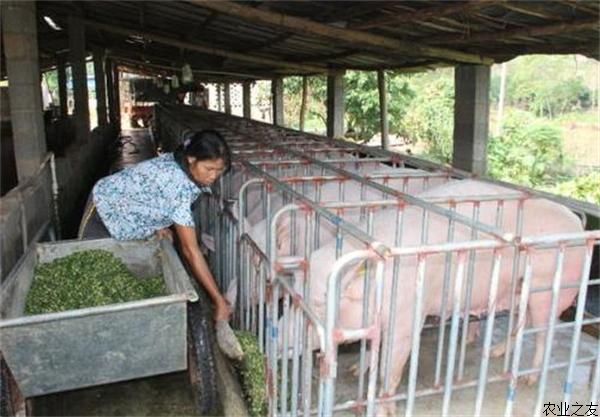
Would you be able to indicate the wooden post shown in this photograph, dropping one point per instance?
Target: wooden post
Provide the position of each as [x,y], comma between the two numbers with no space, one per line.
[78,70]
[383,109]
[61,71]
[247,99]
[100,86]
[303,103]
[227,97]
[277,100]
[219,102]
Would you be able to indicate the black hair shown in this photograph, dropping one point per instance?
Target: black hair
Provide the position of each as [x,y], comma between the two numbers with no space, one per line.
[203,145]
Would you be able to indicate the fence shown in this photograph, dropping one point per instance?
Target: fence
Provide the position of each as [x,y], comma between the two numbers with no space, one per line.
[328,250]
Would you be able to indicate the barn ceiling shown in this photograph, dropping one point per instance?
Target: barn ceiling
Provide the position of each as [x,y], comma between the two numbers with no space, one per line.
[262,39]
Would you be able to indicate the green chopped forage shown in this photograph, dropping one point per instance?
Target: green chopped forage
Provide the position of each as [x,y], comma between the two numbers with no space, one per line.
[88,278]
[252,374]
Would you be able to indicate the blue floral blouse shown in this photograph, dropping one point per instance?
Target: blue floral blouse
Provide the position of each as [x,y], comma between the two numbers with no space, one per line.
[139,200]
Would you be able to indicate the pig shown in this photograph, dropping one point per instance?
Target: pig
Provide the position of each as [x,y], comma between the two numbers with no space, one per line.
[541,217]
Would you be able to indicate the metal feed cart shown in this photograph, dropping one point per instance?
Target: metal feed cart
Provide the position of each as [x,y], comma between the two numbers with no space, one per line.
[56,352]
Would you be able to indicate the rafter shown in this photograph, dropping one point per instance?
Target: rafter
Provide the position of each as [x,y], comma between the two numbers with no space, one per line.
[204,48]
[427,13]
[308,27]
[591,24]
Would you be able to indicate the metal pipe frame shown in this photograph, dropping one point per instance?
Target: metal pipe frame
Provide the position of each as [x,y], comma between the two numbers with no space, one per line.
[331,335]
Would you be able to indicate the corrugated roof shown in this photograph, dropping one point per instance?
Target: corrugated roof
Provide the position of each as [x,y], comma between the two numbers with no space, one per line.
[263,39]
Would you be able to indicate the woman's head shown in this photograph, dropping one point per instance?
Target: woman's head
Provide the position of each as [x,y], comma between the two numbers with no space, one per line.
[205,156]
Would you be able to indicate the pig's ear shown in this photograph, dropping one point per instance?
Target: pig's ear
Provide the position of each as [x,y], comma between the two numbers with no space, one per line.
[231,293]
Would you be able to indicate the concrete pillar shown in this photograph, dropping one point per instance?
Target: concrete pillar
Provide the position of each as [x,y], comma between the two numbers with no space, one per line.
[19,29]
[61,70]
[80,92]
[471,115]
[227,97]
[277,100]
[335,105]
[110,92]
[247,99]
[100,79]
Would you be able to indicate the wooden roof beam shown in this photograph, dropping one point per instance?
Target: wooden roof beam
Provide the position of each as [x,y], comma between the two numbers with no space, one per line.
[206,49]
[347,36]
[563,27]
[428,13]
[170,69]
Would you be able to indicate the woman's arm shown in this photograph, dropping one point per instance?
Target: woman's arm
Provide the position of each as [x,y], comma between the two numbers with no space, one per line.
[191,252]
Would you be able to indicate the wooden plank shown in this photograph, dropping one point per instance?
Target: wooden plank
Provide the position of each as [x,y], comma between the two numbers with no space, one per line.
[368,40]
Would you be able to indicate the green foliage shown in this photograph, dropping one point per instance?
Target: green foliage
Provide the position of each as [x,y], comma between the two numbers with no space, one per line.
[529,151]
[315,119]
[586,188]
[546,85]
[253,374]
[362,102]
[430,118]
[87,279]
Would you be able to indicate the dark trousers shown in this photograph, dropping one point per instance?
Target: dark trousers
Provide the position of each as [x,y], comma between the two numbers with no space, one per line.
[91,226]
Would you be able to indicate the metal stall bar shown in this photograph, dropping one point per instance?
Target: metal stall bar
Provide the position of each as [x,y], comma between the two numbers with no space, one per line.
[328,384]
[492,231]
[578,321]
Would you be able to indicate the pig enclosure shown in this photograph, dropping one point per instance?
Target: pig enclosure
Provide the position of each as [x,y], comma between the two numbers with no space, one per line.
[423,270]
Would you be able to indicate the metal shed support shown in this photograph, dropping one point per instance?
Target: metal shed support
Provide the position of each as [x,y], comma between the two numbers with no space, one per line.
[277,97]
[471,114]
[19,29]
[335,105]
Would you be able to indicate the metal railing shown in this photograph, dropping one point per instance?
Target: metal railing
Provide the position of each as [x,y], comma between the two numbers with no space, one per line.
[297,297]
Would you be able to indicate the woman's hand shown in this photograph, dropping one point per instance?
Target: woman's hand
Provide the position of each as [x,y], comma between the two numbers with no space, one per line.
[223,310]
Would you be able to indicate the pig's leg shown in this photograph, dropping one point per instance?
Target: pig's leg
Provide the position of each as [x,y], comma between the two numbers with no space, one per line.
[355,369]
[473,332]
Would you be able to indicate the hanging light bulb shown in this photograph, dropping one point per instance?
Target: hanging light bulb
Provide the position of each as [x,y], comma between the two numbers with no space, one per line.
[186,74]
[175,81]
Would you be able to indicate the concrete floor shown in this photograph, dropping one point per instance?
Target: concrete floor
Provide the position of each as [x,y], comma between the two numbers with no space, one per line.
[463,401]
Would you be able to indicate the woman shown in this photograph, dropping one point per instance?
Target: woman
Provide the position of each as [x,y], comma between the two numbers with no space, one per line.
[146,199]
